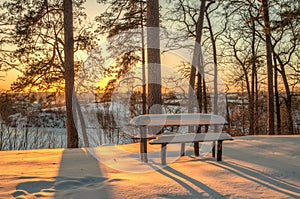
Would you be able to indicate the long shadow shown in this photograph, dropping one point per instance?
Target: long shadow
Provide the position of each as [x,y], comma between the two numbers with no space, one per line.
[260,178]
[267,175]
[262,157]
[176,175]
[80,176]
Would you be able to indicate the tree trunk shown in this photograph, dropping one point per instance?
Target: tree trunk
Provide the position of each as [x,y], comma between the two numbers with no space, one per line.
[196,57]
[144,98]
[289,114]
[270,94]
[200,92]
[72,141]
[214,47]
[253,73]
[154,69]
[82,122]
[228,114]
[288,99]
[277,102]
[243,105]
[257,115]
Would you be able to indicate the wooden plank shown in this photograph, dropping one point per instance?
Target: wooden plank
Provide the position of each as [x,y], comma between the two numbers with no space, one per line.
[219,150]
[213,150]
[143,144]
[182,149]
[191,138]
[163,154]
[184,119]
[196,149]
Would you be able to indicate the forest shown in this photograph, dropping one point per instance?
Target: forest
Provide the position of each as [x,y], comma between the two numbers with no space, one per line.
[239,59]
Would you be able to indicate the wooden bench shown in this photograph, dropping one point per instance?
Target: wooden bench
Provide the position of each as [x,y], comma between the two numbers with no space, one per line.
[144,122]
[191,138]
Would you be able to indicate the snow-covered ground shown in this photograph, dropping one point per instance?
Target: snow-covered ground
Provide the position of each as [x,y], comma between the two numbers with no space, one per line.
[252,167]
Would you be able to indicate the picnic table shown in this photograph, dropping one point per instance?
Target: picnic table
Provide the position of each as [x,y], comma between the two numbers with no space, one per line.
[144,122]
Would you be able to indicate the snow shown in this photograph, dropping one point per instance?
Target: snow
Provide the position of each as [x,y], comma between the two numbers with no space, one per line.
[177,119]
[252,167]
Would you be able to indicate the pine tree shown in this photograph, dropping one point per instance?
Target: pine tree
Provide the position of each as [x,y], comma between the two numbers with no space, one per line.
[34,39]
[69,73]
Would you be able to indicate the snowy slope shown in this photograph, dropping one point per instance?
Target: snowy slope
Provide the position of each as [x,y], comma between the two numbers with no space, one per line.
[253,167]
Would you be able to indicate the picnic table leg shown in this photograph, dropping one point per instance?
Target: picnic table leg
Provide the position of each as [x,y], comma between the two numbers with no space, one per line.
[213,150]
[163,154]
[219,150]
[143,144]
[182,149]
[196,149]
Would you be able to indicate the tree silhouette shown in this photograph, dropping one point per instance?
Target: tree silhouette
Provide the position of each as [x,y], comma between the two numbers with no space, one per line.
[69,73]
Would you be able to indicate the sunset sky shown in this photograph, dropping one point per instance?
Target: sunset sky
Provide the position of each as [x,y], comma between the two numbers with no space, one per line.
[92,10]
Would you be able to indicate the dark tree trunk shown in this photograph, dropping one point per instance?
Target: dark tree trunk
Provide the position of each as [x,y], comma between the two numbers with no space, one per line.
[288,100]
[196,58]
[200,92]
[69,73]
[243,106]
[214,47]
[267,30]
[253,74]
[228,115]
[289,114]
[144,98]
[154,70]
[277,102]
[256,126]
[82,122]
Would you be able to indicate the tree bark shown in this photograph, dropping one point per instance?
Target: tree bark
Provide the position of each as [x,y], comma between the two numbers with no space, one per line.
[144,89]
[288,99]
[214,48]
[270,94]
[256,102]
[196,57]
[154,68]
[72,141]
[277,102]
[253,74]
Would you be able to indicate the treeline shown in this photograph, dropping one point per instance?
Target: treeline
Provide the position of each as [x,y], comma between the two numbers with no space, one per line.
[254,45]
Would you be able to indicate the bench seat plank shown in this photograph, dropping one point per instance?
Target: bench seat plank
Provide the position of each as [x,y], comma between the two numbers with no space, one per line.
[191,138]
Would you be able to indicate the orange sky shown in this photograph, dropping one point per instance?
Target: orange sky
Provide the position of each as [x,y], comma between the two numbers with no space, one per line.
[7,78]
